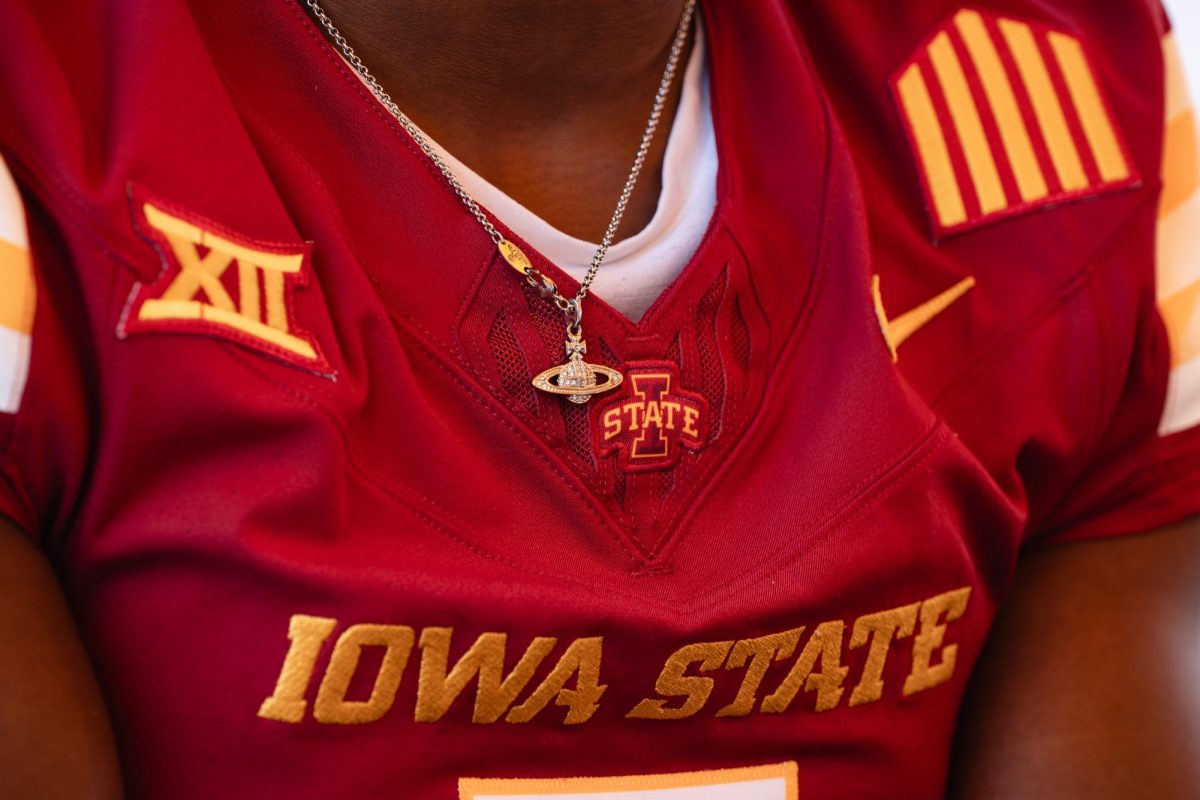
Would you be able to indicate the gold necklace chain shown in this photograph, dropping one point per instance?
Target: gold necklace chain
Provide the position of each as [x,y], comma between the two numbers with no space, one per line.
[576,379]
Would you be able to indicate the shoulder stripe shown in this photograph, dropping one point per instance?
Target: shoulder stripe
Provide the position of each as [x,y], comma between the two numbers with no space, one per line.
[999,90]
[1178,259]
[1052,121]
[931,147]
[1085,95]
[980,162]
[18,294]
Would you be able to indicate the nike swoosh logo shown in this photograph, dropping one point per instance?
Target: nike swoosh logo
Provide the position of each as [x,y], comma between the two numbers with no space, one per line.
[897,331]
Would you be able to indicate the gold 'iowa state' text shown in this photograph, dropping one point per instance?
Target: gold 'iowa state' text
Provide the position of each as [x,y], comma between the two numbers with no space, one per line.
[572,680]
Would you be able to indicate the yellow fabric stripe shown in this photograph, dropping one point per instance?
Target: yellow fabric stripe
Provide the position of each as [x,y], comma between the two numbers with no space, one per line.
[196,310]
[18,288]
[1017,145]
[1097,126]
[276,309]
[1181,315]
[980,162]
[1181,163]
[248,294]
[1177,90]
[931,147]
[1049,113]
[1178,248]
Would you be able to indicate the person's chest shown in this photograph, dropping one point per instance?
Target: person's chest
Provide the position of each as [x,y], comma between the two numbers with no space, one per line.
[332,522]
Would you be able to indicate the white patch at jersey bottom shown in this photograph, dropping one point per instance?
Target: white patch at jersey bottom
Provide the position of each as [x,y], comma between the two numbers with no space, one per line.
[771,782]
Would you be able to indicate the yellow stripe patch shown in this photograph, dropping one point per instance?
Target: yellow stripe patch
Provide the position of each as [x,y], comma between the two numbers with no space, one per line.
[1006,116]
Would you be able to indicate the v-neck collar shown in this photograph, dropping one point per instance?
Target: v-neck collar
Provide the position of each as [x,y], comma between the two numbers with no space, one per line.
[741,118]
[720,327]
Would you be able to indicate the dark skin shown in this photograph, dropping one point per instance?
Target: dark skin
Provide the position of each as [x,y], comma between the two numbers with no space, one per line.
[55,740]
[1088,686]
[546,99]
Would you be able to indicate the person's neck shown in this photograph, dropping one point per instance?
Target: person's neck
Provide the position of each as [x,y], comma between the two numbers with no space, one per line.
[546,99]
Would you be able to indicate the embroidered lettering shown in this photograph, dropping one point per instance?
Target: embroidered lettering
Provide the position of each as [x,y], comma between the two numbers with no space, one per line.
[881,630]
[825,645]
[653,420]
[936,613]
[760,652]
[675,682]
[495,691]
[581,662]
[332,705]
[687,681]
[307,635]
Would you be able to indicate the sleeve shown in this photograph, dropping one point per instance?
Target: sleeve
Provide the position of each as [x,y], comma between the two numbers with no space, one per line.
[43,397]
[1145,472]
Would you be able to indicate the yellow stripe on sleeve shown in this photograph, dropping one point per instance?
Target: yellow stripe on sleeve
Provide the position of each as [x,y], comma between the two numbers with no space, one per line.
[18,295]
[1178,268]
[1046,108]
[1097,127]
[963,111]
[931,147]
[1181,163]
[1017,144]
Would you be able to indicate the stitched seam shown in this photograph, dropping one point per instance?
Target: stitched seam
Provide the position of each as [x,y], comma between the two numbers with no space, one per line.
[352,460]
[352,456]
[405,322]
[89,374]
[706,482]
[686,608]
[440,518]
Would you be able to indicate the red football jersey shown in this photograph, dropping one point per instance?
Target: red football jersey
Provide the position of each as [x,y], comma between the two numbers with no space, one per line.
[267,401]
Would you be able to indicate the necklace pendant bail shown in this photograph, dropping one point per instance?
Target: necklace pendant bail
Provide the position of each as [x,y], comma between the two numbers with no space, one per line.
[574,314]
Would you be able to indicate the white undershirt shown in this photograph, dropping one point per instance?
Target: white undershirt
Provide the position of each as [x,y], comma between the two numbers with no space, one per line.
[637,269]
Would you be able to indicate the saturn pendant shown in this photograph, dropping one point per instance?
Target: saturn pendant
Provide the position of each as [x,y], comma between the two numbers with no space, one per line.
[577,379]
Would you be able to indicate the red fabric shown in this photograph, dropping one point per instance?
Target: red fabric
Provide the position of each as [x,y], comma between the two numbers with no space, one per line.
[200,494]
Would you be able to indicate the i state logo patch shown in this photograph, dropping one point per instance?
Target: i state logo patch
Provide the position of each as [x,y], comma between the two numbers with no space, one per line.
[653,419]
